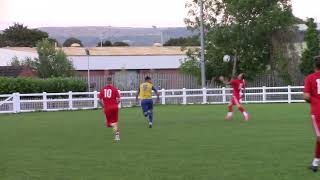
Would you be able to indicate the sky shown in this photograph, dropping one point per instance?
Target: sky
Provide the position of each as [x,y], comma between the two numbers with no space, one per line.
[120,13]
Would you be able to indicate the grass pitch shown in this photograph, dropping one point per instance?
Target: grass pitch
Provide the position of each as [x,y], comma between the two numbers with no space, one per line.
[186,143]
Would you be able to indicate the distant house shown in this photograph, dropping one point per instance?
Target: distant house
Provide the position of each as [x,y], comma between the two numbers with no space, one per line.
[300,44]
[13,71]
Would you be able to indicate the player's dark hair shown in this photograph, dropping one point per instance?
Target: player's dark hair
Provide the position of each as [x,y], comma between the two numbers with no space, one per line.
[147,78]
[243,76]
[109,79]
[317,62]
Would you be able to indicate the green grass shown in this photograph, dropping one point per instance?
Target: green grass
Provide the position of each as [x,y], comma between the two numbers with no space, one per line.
[186,143]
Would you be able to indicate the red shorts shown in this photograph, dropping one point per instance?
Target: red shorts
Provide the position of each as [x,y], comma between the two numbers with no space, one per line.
[111,112]
[235,100]
[316,124]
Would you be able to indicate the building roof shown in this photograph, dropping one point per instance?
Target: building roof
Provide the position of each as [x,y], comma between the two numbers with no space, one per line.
[115,58]
[114,51]
[126,62]
[6,55]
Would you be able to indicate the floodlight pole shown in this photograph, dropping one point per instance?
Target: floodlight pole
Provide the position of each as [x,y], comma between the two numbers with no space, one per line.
[202,61]
[234,69]
[88,73]
[162,39]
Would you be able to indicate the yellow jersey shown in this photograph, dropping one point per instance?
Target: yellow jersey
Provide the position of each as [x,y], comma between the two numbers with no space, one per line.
[145,90]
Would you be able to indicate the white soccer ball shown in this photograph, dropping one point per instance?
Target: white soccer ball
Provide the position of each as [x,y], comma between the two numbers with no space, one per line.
[226,58]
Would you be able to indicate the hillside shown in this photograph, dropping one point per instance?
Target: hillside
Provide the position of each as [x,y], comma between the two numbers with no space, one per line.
[91,35]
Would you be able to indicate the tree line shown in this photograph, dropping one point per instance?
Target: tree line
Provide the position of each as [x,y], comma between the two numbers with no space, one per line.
[246,30]
[19,35]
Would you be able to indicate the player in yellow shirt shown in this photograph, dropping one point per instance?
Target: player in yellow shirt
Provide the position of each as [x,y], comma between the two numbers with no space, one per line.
[145,94]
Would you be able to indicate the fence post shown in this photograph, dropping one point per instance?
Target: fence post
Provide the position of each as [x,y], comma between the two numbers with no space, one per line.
[184,94]
[44,99]
[264,95]
[16,103]
[163,96]
[289,94]
[70,100]
[204,95]
[224,98]
[95,101]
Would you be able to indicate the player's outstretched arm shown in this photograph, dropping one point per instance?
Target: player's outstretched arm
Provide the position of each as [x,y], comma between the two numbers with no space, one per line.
[157,93]
[223,80]
[101,103]
[118,97]
[306,97]
[243,88]
[158,97]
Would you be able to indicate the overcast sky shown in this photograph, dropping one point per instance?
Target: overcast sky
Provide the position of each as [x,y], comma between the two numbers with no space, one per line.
[125,13]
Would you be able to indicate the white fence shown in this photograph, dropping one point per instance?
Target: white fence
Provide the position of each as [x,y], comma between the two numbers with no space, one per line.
[15,103]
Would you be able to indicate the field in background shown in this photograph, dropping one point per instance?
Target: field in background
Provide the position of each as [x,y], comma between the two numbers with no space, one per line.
[187,143]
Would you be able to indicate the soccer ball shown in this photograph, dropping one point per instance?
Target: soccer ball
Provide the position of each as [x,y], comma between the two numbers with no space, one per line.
[226,58]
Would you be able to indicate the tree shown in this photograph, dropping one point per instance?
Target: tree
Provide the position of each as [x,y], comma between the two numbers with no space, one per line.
[191,65]
[19,35]
[70,41]
[54,41]
[120,44]
[183,41]
[27,61]
[242,29]
[51,62]
[106,43]
[2,41]
[313,47]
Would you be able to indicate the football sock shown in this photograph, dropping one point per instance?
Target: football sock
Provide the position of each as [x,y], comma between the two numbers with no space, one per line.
[115,128]
[150,117]
[318,150]
[230,109]
[241,109]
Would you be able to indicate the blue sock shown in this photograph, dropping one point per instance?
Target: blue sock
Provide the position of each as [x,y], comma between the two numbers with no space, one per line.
[150,117]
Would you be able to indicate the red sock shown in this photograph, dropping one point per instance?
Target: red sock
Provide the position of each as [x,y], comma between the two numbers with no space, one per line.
[241,109]
[230,109]
[318,150]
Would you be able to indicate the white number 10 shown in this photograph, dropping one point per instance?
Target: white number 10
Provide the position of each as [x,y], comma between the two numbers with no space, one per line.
[318,83]
[108,93]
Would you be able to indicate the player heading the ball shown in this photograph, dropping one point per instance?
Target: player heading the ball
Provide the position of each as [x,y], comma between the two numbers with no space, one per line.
[238,85]
[145,94]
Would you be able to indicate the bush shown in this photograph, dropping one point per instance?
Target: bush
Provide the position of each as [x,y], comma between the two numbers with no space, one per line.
[28,85]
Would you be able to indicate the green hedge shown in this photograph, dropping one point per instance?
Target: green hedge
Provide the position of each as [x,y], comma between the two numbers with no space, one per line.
[28,85]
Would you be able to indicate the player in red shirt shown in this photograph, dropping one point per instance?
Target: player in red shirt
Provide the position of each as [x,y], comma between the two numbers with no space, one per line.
[312,95]
[109,99]
[238,85]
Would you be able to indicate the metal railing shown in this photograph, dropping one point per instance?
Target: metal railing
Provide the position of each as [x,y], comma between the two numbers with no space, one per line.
[16,102]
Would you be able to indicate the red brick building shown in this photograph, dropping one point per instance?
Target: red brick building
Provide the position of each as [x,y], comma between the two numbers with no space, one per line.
[13,71]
